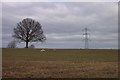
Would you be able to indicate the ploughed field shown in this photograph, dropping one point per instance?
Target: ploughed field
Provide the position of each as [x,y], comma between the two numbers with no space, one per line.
[59,63]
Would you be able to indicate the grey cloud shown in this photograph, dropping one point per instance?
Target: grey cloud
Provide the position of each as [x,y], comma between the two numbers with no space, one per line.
[63,21]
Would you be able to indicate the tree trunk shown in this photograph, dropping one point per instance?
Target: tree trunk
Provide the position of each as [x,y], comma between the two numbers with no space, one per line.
[27,40]
[26,44]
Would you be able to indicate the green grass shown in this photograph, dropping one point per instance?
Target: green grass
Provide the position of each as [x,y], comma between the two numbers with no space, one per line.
[59,63]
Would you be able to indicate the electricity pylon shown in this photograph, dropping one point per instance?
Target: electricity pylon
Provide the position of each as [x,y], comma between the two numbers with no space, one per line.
[86,37]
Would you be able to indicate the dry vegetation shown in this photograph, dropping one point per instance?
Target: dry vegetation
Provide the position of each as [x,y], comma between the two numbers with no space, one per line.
[31,63]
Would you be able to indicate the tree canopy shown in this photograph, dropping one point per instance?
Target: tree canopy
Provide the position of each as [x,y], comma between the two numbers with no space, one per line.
[29,30]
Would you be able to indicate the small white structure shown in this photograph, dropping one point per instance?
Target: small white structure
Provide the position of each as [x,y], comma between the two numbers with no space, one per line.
[42,50]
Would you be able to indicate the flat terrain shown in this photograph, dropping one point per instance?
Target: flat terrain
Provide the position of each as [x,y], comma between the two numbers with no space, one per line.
[59,63]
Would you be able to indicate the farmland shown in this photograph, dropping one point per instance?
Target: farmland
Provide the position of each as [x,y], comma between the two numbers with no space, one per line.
[59,63]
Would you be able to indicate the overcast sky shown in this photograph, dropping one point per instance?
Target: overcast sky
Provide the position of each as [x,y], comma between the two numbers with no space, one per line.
[63,22]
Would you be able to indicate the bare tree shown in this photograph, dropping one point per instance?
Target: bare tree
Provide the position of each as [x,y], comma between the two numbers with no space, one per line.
[12,44]
[29,30]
